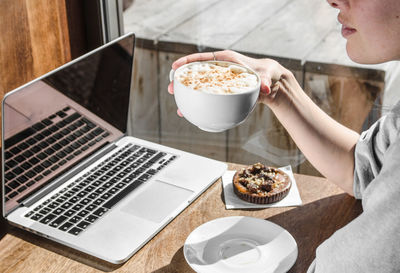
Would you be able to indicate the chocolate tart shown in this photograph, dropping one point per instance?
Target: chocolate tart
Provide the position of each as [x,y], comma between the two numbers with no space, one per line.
[260,184]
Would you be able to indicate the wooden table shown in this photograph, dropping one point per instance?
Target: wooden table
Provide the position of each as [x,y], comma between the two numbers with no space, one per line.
[325,209]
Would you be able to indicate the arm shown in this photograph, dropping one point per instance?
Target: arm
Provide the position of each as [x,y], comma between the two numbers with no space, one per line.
[328,145]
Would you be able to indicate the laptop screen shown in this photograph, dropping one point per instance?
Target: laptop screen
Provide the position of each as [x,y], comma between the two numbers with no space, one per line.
[52,123]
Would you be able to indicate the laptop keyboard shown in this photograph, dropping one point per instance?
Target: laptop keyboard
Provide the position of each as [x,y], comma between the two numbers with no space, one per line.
[41,149]
[88,198]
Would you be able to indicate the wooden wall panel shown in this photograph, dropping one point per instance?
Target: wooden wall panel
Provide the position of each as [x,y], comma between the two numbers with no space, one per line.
[34,40]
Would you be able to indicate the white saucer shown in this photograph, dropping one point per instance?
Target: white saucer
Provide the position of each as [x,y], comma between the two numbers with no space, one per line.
[240,244]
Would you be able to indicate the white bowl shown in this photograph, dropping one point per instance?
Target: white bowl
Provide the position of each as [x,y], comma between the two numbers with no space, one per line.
[214,112]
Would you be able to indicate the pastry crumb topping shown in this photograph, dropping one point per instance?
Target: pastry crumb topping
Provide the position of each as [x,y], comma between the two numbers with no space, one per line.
[258,179]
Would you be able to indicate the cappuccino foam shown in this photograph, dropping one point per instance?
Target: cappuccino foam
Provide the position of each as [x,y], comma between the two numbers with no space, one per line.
[217,78]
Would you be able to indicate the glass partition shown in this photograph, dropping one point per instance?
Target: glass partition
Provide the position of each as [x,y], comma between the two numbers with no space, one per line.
[303,35]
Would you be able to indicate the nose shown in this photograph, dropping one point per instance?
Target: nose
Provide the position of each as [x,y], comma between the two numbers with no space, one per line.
[335,3]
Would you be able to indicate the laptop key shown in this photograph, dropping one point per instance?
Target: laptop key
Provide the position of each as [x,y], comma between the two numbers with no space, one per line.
[30,174]
[22,179]
[39,177]
[98,201]
[47,122]
[106,196]
[53,205]
[75,219]
[77,207]
[83,225]
[119,196]
[72,117]
[11,163]
[36,216]
[50,140]
[74,199]
[42,155]
[54,159]
[61,124]
[15,150]
[69,213]
[8,189]
[39,137]
[58,221]
[100,190]
[85,201]
[29,213]
[93,195]
[9,175]
[44,210]
[61,114]
[26,165]
[47,218]
[23,146]
[30,183]
[66,205]
[46,132]
[33,160]
[21,189]
[19,158]
[53,128]
[91,207]
[31,141]
[75,231]
[100,211]
[58,211]
[83,213]
[91,218]
[66,226]
[13,184]
[38,126]
[12,195]
[38,168]
[82,194]
[49,151]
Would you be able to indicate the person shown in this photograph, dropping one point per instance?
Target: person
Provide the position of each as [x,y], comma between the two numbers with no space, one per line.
[366,166]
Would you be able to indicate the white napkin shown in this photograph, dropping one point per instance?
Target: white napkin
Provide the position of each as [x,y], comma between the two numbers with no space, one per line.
[234,202]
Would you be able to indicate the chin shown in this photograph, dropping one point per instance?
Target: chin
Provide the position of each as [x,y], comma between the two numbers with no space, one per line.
[362,57]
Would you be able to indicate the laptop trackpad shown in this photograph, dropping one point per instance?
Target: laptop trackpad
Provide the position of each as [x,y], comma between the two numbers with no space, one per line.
[157,201]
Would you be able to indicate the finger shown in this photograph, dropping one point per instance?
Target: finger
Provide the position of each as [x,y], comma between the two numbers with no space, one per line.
[204,56]
[171,88]
[265,86]
[179,113]
[275,87]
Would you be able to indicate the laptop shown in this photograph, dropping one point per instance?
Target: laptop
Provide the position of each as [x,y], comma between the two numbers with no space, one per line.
[72,174]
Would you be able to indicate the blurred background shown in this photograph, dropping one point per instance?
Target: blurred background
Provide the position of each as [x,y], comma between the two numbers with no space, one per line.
[304,35]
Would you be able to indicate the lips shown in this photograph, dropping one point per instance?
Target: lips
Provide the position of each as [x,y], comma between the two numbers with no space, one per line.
[347,31]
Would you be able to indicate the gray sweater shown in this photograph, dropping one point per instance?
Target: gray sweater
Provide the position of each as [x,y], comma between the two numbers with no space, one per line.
[371,242]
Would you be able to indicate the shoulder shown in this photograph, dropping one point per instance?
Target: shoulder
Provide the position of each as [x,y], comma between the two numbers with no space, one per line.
[386,128]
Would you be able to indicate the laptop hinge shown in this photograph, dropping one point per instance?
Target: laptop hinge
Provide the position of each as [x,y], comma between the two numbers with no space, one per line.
[37,196]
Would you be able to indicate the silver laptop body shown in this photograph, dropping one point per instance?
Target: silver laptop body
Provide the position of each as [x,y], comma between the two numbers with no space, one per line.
[70,172]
